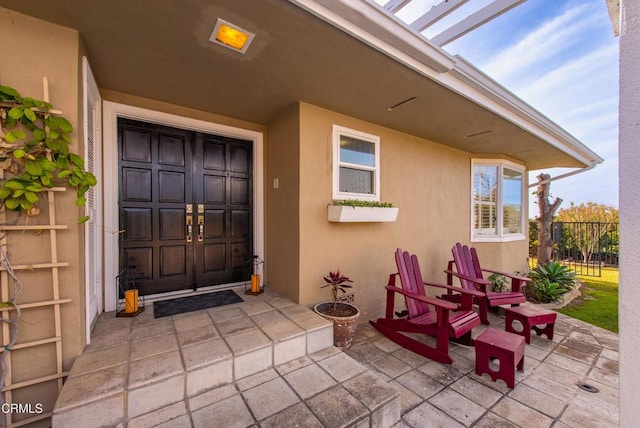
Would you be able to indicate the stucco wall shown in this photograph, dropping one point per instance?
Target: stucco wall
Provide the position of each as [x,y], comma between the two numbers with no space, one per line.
[30,50]
[629,212]
[430,183]
[282,225]
[150,104]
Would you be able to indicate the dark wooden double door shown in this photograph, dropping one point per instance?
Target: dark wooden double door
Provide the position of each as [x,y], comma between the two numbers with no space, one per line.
[185,201]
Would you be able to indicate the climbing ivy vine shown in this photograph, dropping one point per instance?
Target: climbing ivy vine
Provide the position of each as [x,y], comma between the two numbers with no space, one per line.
[34,151]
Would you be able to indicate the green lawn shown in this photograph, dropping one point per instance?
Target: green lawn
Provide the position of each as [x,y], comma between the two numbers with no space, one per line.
[598,304]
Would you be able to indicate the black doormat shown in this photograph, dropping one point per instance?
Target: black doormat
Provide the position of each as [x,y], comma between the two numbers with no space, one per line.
[166,308]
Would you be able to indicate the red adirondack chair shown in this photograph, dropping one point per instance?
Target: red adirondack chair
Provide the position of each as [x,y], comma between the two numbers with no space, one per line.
[469,272]
[446,321]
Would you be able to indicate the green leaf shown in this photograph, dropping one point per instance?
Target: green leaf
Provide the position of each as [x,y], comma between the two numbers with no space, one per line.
[35,187]
[31,197]
[30,114]
[33,167]
[19,153]
[65,125]
[47,165]
[25,205]
[91,179]
[51,122]
[16,113]
[9,91]
[39,134]
[80,201]
[54,135]
[84,219]
[77,160]
[45,180]
[11,203]
[13,185]
[4,193]
[64,174]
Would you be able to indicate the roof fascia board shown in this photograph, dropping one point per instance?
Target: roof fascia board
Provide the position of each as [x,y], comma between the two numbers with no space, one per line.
[374,26]
[501,101]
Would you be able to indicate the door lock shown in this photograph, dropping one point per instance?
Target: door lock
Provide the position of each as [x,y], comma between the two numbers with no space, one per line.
[200,228]
[189,221]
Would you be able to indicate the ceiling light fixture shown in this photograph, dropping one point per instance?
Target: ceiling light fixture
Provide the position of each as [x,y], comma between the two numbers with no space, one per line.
[401,103]
[231,36]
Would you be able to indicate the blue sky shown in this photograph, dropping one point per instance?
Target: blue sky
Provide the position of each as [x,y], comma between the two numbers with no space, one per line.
[561,57]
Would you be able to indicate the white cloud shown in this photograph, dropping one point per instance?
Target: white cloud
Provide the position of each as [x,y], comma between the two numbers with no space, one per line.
[539,46]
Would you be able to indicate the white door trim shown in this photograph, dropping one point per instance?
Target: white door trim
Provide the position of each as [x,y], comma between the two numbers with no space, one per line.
[111,112]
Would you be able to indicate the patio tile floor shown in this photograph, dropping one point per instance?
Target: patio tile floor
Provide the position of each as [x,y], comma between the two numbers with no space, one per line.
[268,363]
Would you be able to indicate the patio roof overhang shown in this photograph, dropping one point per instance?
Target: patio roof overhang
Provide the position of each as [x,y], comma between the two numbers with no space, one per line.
[349,56]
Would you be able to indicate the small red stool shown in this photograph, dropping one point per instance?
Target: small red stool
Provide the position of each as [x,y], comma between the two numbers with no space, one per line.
[530,318]
[508,348]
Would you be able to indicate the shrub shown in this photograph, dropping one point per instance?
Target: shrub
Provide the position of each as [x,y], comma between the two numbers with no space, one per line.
[554,272]
[549,282]
[498,282]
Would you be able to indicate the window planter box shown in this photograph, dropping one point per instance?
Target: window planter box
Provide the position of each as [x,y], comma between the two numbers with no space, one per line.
[348,214]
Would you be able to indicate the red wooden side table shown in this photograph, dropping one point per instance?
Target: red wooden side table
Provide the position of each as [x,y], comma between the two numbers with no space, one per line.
[530,318]
[507,347]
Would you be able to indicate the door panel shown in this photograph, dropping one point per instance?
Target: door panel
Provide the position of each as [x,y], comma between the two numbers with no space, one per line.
[225,165]
[154,184]
[163,170]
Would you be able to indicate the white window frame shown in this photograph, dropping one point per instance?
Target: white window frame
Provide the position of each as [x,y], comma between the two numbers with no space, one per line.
[339,131]
[500,236]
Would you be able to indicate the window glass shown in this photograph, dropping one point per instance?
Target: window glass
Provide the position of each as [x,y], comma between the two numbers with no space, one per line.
[485,192]
[511,201]
[357,151]
[356,181]
[497,200]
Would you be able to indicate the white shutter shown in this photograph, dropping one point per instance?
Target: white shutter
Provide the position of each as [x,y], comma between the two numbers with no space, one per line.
[93,235]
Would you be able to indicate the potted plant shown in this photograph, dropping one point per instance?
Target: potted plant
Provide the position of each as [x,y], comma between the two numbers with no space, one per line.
[343,315]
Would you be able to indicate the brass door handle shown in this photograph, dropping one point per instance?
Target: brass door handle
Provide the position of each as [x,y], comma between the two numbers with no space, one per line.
[189,220]
[200,228]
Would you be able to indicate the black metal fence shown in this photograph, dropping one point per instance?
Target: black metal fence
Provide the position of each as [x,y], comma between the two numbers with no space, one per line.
[585,246]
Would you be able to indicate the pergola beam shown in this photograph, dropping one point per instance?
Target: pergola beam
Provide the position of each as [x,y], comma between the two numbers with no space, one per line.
[393,6]
[436,13]
[475,20]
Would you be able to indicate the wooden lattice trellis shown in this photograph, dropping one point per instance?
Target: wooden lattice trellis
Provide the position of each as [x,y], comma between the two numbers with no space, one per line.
[55,303]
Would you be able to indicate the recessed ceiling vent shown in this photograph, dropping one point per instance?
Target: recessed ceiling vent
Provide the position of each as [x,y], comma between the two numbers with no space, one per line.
[231,36]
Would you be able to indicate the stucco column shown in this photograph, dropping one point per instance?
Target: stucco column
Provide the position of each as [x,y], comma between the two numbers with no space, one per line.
[629,291]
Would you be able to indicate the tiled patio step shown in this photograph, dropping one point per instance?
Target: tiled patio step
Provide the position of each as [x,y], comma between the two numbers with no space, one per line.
[145,369]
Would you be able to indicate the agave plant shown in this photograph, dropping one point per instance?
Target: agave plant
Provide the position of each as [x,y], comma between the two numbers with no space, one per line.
[338,282]
[545,291]
[554,272]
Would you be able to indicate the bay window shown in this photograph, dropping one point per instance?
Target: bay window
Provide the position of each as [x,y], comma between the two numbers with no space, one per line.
[497,200]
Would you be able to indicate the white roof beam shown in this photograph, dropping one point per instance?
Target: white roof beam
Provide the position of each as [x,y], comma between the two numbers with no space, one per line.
[394,6]
[475,20]
[436,13]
